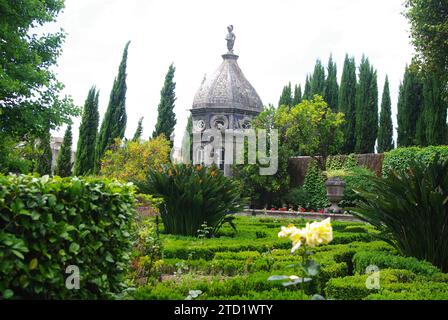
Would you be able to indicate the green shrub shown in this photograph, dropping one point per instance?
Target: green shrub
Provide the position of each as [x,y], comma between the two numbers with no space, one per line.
[314,186]
[363,259]
[194,195]
[414,291]
[401,158]
[50,224]
[411,210]
[357,178]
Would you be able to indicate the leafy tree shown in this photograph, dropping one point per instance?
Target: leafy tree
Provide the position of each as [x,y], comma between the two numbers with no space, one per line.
[385,131]
[286,97]
[347,104]
[114,122]
[318,80]
[139,131]
[297,95]
[331,85]
[64,160]
[166,120]
[429,31]
[88,129]
[307,95]
[366,108]
[132,160]
[409,107]
[312,129]
[30,102]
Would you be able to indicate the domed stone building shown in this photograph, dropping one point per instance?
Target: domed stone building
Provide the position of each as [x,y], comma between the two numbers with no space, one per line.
[226,100]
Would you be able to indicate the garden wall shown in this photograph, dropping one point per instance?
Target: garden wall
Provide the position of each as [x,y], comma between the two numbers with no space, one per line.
[298,166]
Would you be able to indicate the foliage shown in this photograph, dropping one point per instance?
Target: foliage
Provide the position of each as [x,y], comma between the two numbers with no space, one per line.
[41,154]
[166,119]
[286,97]
[193,195]
[411,210]
[85,154]
[410,102]
[358,178]
[50,224]
[12,156]
[114,121]
[307,91]
[64,161]
[385,130]
[366,127]
[132,160]
[311,128]
[30,102]
[429,31]
[331,85]
[139,130]
[400,159]
[318,80]
[314,186]
[187,142]
[297,95]
[347,104]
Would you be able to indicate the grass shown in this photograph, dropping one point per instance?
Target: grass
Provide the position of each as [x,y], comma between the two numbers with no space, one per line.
[236,265]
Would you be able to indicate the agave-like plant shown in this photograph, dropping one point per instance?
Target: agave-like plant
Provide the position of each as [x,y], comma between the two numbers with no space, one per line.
[411,210]
[194,195]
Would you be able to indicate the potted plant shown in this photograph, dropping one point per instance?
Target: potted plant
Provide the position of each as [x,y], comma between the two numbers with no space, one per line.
[335,185]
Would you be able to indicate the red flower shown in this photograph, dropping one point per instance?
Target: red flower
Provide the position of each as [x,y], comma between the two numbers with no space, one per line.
[321,211]
[282,209]
[273,209]
[302,210]
[312,211]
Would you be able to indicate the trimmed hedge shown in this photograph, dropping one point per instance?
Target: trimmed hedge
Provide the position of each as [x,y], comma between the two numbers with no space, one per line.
[363,259]
[48,224]
[399,159]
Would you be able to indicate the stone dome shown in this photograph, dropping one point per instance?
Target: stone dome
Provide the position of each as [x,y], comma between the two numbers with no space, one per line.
[228,88]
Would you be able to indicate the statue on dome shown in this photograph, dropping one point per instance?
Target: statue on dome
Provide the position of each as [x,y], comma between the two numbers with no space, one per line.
[230,38]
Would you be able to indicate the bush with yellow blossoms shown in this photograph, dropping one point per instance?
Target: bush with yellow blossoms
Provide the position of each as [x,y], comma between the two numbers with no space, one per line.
[303,241]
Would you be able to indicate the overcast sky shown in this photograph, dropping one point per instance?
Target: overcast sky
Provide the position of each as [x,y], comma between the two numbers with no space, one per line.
[277,41]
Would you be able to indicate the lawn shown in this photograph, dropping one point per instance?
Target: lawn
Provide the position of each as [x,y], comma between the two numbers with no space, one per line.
[236,265]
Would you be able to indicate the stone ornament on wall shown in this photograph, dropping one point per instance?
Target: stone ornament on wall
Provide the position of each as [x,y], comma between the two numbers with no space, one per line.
[245,123]
[199,125]
[220,122]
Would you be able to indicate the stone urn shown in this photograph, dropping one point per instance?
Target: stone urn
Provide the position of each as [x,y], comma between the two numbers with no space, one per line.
[335,192]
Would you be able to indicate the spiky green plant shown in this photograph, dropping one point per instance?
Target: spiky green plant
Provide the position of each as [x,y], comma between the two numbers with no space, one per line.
[411,210]
[194,195]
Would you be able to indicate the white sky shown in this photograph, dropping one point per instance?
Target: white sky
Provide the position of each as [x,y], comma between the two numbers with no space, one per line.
[277,41]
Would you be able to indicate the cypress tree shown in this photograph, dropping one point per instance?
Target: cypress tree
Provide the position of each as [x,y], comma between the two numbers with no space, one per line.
[286,97]
[166,119]
[297,95]
[114,122]
[410,102]
[187,142]
[307,92]
[318,79]
[385,131]
[139,131]
[88,129]
[45,159]
[64,160]
[366,108]
[347,104]
[331,86]
[435,110]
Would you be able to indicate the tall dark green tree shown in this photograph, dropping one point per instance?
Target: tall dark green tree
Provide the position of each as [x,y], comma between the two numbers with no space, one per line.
[139,131]
[331,85]
[166,120]
[410,102]
[286,97]
[307,95]
[435,111]
[114,122]
[64,160]
[297,95]
[88,130]
[347,104]
[187,141]
[385,130]
[366,108]
[318,79]
[45,155]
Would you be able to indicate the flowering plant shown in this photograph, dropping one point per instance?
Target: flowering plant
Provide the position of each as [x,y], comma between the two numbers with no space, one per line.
[312,235]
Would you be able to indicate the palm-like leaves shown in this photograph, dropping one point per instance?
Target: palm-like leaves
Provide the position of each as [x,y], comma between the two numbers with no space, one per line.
[411,209]
[192,195]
